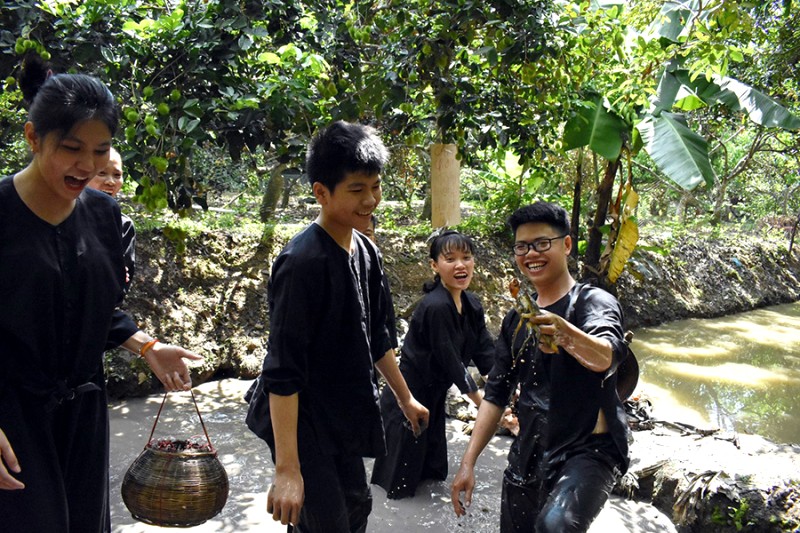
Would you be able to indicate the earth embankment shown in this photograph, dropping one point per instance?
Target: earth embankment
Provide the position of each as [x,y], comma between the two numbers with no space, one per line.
[212,297]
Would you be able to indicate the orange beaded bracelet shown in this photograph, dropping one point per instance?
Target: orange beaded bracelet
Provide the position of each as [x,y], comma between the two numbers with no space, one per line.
[146,346]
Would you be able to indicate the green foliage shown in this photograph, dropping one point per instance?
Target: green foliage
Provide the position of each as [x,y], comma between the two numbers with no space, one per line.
[678,151]
[177,235]
[735,516]
[187,74]
[456,71]
[12,144]
[502,79]
[594,126]
[223,174]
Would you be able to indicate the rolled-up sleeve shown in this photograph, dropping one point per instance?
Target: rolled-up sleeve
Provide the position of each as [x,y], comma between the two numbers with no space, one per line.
[291,297]
[600,315]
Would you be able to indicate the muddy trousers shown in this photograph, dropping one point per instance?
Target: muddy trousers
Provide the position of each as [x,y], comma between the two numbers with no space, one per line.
[337,497]
[581,489]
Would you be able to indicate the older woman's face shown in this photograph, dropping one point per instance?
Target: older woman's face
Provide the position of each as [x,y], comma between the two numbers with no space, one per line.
[109,180]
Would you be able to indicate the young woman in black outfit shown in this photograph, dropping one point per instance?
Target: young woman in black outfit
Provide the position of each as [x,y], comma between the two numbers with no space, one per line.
[62,275]
[447,331]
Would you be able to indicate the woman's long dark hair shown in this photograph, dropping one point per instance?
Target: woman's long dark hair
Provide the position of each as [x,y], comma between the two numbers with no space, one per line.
[443,243]
[57,102]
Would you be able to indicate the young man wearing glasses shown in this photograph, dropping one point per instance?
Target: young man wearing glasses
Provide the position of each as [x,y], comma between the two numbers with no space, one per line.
[572,443]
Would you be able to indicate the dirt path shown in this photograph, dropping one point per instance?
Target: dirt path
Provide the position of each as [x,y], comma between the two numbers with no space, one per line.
[246,460]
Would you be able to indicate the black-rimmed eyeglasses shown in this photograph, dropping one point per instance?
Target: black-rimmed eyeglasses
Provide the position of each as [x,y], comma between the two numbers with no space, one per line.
[540,245]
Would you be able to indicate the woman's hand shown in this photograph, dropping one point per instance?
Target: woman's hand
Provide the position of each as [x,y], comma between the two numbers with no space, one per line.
[8,459]
[168,364]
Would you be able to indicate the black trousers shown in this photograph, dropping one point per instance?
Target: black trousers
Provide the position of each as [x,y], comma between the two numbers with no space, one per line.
[63,453]
[337,497]
[578,492]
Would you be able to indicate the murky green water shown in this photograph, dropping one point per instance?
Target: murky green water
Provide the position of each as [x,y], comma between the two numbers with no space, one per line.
[739,373]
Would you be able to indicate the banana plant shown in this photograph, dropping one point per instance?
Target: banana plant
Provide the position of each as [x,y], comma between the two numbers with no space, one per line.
[662,130]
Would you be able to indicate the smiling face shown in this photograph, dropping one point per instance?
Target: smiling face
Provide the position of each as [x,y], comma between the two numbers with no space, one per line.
[66,164]
[542,268]
[350,205]
[109,180]
[369,231]
[455,267]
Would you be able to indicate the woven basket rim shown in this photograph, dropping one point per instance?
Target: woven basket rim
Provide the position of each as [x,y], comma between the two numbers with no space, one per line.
[189,452]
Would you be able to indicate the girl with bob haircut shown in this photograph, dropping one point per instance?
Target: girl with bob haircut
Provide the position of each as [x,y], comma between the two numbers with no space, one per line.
[447,331]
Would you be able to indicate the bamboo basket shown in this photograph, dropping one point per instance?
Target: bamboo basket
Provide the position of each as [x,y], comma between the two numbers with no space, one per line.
[175,488]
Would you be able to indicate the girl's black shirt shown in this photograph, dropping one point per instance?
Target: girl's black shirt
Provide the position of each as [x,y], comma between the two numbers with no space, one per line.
[441,342]
[61,286]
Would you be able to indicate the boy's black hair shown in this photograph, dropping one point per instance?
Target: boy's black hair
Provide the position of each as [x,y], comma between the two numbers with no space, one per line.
[445,242]
[59,102]
[341,148]
[545,212]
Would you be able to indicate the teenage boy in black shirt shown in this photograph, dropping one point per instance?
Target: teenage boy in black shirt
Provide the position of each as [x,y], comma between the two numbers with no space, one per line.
[573,432]
[316,403]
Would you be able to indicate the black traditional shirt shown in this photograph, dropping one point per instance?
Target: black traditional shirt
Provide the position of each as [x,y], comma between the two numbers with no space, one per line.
[441,342]
[327,329]
[60,287]
[560,398]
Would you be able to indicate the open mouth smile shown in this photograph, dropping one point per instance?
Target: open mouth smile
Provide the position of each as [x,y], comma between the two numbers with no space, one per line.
[75,183]
[535,266]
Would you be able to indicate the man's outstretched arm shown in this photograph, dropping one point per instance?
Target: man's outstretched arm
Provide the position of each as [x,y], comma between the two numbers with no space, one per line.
[489,416]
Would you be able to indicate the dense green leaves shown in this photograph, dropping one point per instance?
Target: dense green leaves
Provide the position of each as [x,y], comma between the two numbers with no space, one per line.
[760,108]
[527,79]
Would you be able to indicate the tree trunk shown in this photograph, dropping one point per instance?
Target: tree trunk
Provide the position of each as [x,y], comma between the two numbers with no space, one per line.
[576,207]
[269,202]
[287,191]
[687,200]
[591,260]
[719,204]
[426,205]
[445,187]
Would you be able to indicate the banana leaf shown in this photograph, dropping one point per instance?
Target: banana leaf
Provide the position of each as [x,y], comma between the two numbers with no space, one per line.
[677,151]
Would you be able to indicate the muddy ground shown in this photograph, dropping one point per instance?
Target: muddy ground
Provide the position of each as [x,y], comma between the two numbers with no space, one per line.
[247,462]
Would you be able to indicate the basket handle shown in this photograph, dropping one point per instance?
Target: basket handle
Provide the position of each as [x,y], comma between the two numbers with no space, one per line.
[155,423]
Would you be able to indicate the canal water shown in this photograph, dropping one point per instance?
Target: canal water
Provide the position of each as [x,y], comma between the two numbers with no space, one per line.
[738,373]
